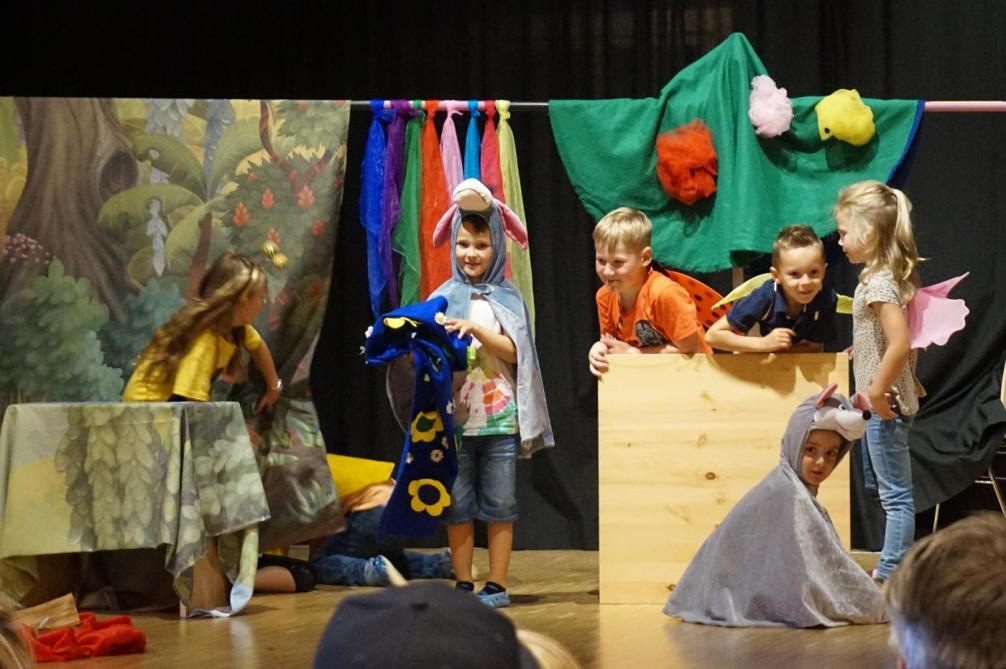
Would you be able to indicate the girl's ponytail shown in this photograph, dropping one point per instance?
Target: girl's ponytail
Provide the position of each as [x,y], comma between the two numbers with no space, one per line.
[904,254]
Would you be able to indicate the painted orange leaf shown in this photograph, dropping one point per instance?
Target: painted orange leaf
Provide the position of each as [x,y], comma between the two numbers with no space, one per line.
[305,198]
[240,214]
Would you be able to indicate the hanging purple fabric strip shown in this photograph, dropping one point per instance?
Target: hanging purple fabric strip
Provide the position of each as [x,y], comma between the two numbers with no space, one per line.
[371,202]
[472,144]
[394,174]
[449,148]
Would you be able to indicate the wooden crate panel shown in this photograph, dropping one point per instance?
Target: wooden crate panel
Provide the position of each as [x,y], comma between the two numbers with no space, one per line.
[680,441]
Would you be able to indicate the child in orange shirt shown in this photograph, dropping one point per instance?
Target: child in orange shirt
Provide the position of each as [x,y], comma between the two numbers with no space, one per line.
[639,310]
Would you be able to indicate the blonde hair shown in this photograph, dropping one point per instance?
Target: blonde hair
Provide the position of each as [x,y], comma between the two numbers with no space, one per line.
[14,651]
[232,276]
[947,598]
[629,226]
[549,653]
[879,220]
[794,237]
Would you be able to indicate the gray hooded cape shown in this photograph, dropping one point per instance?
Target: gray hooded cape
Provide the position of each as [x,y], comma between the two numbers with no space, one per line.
[776,559]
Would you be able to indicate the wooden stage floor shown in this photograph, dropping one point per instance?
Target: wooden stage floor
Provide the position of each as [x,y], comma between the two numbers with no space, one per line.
[554,592]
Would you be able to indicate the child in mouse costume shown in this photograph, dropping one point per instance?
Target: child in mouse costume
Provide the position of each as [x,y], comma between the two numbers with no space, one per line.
[776,559]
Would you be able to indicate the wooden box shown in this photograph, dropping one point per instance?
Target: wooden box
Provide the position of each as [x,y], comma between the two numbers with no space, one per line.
[681,440]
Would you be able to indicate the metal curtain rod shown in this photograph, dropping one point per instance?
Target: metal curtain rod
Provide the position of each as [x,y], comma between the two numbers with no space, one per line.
[930,106]
[462,105]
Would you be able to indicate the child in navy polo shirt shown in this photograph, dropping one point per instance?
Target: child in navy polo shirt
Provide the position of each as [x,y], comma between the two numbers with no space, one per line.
[793,313]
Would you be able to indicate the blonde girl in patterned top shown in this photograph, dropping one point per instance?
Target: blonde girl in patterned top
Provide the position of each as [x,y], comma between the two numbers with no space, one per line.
[875,230]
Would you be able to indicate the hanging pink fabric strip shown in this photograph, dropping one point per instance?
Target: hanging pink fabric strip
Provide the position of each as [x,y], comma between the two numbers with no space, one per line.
[450,150]
[491,174]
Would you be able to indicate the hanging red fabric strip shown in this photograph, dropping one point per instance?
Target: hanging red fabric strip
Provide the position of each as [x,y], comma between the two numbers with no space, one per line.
[492,176]
[435,263]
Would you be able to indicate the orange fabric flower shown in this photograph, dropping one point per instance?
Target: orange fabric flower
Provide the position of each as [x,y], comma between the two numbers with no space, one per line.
[686,162]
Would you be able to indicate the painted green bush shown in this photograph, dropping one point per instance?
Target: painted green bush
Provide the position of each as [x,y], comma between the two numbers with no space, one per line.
[51,350]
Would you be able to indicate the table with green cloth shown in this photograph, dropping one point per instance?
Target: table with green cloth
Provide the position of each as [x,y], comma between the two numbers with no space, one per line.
[79,478]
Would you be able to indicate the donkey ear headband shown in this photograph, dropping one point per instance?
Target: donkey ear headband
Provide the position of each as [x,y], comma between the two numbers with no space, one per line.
[472,196]
[848,419]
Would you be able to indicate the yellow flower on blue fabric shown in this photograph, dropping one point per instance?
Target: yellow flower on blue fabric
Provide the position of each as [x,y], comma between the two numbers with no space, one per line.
[426,425]
[397,322]
[437,507]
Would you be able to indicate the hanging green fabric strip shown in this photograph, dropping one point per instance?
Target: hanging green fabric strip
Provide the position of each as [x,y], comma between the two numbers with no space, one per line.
[405,238]
[609,150]
[520,259]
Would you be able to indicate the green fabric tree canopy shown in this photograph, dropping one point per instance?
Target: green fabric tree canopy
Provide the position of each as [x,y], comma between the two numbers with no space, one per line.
[609,150]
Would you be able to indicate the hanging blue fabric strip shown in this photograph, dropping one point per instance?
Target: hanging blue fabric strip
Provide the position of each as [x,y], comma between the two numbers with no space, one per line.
[371,201]
[473,144]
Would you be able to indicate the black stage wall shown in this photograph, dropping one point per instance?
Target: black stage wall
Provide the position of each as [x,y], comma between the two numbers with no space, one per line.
[536,51]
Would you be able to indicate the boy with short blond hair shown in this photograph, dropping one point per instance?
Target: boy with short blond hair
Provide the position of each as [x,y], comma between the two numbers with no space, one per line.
[639,310]
[793,311]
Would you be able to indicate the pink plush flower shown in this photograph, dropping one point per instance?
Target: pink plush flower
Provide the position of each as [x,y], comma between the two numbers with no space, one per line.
[770,110]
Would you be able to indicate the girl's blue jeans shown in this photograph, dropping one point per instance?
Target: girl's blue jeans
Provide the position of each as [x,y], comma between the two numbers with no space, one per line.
[887,468]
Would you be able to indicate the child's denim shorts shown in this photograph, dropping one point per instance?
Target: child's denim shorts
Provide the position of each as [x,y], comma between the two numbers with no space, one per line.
[486,486]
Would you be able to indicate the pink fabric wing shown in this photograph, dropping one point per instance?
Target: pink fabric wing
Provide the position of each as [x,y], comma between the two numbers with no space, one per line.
[933,317]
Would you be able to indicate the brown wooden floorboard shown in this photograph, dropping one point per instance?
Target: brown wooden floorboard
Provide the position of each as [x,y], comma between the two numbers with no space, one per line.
[554,592]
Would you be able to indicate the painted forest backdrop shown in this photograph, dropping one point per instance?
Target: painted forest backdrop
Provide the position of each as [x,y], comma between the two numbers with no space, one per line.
[110,212]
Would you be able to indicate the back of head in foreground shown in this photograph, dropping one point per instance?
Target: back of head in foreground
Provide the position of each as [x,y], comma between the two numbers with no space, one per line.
[947,598]
[776,559]
[419,625]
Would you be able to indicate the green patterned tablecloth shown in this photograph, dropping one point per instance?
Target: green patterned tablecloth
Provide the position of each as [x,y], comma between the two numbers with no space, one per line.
[90,477]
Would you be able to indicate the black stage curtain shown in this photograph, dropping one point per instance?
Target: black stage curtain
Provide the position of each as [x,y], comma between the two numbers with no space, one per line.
[563,49]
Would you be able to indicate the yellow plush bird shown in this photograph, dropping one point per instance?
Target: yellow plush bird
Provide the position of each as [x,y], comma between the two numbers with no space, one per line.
[844,115]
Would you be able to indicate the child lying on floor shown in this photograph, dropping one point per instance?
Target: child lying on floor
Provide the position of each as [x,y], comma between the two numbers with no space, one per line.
[358,556]
[776,559]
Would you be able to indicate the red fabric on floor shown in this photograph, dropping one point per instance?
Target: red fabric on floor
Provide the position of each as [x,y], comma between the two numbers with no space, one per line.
[112,636]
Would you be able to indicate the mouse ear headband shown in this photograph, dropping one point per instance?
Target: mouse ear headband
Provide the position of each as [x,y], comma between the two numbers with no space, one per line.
[848,418]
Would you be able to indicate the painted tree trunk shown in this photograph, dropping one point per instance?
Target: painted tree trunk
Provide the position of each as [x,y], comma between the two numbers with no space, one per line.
[78,157]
